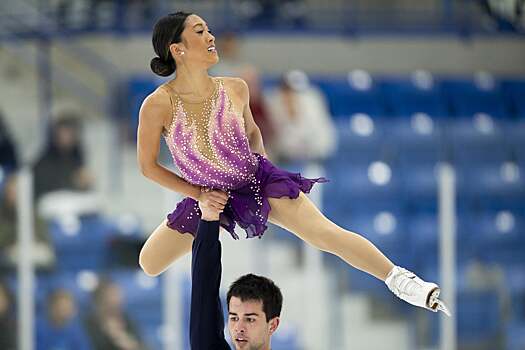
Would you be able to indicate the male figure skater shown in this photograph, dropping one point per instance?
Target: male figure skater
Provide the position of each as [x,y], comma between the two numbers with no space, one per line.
[254,302]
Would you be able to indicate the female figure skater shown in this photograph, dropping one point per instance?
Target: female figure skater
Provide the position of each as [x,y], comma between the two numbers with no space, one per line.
[216,145]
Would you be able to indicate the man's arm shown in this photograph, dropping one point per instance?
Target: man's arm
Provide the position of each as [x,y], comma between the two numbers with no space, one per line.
[206,317]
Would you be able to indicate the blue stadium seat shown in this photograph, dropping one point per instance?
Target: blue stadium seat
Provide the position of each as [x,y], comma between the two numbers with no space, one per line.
[515,281]
[404,97]
[498,236]
[344,99]
[81,243]
[152,336]
[419,185]
[477,139]
[423,232]
[362,185]
[417,140]
[515,336]
[492,183]
[467,97]
[478,320]
[138,89]
[142,296]
[360,139]
[515,135]
[514,91]
[479,316]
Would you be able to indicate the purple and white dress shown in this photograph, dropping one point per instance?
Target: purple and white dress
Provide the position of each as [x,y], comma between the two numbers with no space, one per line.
[208,143]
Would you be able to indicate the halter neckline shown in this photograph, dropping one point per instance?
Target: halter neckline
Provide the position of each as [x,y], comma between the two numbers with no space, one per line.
[213,94]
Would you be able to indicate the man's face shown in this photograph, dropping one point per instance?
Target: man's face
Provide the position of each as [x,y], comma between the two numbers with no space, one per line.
[247,325]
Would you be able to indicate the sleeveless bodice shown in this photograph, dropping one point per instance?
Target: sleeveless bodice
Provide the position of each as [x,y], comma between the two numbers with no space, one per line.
[208,142]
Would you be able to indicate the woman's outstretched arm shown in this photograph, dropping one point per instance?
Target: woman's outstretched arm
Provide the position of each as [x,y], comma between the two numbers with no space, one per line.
[154,114]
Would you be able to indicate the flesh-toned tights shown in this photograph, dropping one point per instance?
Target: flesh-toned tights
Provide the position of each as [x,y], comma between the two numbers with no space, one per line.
[299,216]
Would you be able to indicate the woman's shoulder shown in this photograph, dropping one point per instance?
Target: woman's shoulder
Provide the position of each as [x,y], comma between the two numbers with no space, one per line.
[157,101]
[236,85]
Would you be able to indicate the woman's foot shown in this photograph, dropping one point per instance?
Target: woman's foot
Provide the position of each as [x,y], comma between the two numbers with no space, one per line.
[412,289]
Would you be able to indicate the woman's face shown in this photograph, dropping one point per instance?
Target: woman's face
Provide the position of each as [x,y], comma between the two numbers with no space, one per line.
[198,44]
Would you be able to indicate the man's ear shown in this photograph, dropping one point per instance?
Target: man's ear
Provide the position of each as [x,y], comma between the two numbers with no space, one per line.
[274,323]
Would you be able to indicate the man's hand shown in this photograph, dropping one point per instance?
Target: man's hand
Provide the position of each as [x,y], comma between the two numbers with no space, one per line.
[212,204]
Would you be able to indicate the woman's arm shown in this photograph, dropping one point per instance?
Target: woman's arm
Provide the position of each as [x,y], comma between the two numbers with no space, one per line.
[155,110]
[252,130]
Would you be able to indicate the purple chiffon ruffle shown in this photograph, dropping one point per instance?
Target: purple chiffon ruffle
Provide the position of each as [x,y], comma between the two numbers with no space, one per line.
[248,205]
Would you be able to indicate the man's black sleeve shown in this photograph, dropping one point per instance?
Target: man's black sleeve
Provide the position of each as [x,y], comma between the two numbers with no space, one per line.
[206,317]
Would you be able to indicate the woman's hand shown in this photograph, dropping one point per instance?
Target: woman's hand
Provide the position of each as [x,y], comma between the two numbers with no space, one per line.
[212,204]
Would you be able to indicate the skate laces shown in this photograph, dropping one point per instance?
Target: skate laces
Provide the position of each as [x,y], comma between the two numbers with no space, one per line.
[403,282]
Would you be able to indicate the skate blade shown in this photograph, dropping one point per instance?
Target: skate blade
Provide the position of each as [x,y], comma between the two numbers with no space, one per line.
[439,304]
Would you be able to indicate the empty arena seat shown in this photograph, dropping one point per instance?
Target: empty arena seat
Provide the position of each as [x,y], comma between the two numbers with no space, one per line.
[478,320]
[481,94]
[417,139]
[360,139]
[142,295]
[420,93]
[498,236]
[515,135]
[357,93]
[490,184]
[424,239]
[480,138]
[86,237]
[514,91]
[515,336]
[355,185]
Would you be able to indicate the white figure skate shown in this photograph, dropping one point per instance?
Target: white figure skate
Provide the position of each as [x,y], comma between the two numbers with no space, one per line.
[412,289]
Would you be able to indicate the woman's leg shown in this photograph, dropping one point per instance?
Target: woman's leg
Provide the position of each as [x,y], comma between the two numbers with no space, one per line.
[301,217]
[163,247]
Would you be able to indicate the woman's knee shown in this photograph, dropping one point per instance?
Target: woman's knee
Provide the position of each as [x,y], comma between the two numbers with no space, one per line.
[147,263]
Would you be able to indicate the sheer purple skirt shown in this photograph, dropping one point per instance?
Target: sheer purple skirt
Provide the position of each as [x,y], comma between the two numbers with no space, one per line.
[248,206]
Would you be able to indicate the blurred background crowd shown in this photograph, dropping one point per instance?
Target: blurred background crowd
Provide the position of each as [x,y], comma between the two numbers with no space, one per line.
[375,95]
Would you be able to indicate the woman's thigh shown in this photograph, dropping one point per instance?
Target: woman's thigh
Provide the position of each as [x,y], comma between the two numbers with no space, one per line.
[301,217]
[163,247]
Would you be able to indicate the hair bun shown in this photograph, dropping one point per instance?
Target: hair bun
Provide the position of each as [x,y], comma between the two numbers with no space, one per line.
[162,68]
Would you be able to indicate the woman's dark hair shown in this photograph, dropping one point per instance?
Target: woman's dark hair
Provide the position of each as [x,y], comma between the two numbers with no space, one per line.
[167,31]
[257,288]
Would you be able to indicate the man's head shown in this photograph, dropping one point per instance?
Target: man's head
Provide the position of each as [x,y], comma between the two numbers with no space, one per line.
[254,307]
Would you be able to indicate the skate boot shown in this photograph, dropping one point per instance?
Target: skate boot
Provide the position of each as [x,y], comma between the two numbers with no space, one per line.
[412,289]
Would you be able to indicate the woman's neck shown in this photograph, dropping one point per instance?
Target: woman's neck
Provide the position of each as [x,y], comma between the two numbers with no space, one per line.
[192,82]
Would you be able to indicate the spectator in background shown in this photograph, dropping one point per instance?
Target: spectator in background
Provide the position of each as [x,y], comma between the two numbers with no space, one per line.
[43,254]
[61,167]
[61,328]
[108,325]
[7,320]
[305,130]
[8,157]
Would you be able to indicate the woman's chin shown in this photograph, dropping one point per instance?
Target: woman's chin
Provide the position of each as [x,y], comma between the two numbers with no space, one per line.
[213,61]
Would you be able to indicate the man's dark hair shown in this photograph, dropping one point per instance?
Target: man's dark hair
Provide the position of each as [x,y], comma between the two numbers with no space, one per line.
[257,288]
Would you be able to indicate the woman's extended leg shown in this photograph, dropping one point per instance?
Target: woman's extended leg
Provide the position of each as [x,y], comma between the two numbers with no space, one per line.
[301,217]
[163,247]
